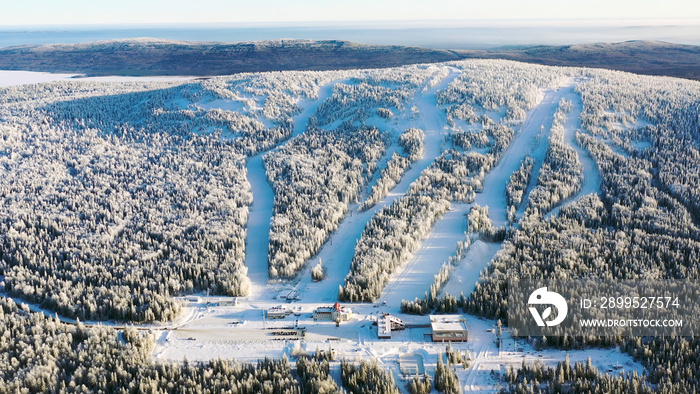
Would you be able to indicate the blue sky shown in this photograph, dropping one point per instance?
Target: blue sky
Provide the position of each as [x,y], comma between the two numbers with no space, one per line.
[96,12]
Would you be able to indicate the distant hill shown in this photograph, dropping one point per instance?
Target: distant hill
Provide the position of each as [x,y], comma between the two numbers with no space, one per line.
[147,56]
[641,57]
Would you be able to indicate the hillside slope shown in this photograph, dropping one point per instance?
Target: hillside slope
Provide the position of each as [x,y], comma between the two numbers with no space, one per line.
[640,57]
[147,56]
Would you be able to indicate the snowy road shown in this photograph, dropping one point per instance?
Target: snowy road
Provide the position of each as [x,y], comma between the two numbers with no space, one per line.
[336,255]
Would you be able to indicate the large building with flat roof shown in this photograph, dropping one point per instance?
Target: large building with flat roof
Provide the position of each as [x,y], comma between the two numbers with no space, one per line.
[448,328]
[278,312]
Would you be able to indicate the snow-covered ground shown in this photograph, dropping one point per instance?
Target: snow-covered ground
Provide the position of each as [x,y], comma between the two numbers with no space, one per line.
[258,236]
[488,359]
[242,333]
[465,275]
[17,78]
[381,165]
[118,78]
[416,276]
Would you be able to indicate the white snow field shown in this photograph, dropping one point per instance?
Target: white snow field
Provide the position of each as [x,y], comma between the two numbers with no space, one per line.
[465,275]
[241,332]
[18,78]
[418,273]
[258,236]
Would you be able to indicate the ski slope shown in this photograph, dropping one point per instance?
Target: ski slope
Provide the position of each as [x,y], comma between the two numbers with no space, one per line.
[591,173]
[417,275]
[261,211]
[336,255]
[465,275]
[530,140]
[258,235]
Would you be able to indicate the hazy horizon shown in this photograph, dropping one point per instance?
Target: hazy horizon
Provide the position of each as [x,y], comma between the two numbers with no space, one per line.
[71,12]
[448,34]
[481,22]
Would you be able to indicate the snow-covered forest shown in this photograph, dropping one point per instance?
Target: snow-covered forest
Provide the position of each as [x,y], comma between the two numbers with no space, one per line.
[315,177]
[413,147]
[111,204]
[263,104]
[642,224]
[395,232]
[118,197]
[517,186]
[40,354]
[319,174]
[561,174]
